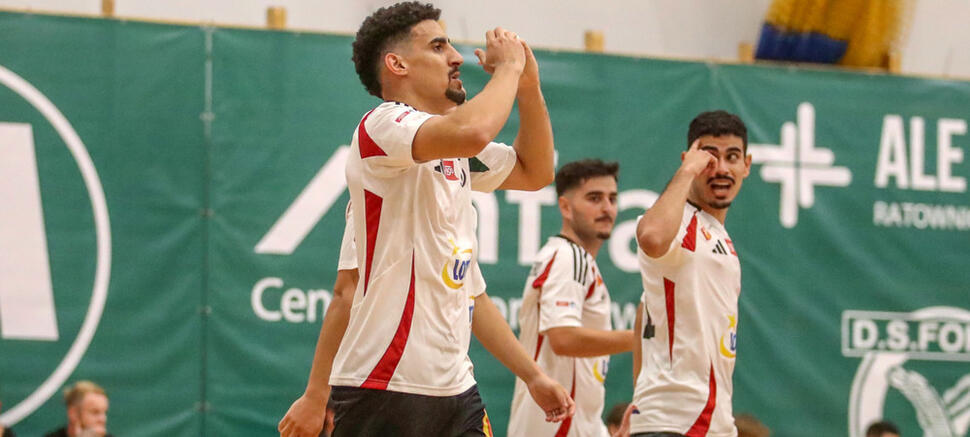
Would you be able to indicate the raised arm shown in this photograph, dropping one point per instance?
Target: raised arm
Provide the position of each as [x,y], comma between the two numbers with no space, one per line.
[464,132]
[659,224]
[494,333]
[535,166]
[305,416]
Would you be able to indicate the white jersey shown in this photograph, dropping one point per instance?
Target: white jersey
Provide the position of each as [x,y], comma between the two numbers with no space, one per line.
[414,225]
[688,340]
[348,246]
[564,288]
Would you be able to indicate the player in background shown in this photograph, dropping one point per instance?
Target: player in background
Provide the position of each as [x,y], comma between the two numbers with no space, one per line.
[687,321]
[565,315]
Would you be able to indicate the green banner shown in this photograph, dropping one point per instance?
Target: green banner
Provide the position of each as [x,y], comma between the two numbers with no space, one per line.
[173,197]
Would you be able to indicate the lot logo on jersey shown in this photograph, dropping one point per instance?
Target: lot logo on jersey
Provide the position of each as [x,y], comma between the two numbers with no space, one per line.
[600,368]
[27,304]
[798,165]
[914,365]
[729,340]
[456,269]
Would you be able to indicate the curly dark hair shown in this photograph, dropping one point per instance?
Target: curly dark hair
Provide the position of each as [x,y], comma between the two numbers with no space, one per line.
[575,173]
[381,30]
[717,123]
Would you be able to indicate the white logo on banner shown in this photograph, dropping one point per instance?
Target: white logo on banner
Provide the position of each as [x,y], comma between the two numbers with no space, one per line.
[798,165]
[887,341]
[308,208]
[26,297]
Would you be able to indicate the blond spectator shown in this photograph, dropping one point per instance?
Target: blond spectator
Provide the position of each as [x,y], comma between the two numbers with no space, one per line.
[87,412]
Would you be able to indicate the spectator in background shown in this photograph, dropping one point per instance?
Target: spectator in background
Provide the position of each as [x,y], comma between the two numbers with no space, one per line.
[87,412]
[615,417]
[882,428]
[750,426]
[4,431]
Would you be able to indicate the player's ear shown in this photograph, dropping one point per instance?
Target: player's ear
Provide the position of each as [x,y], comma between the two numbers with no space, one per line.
[747,165]
[395,64]
[564,208]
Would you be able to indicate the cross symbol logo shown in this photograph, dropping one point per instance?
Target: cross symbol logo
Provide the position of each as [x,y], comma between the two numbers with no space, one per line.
[798,165]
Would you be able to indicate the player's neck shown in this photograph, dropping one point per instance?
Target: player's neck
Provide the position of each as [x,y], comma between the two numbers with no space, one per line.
[416,101]
[720,214]
[592,246]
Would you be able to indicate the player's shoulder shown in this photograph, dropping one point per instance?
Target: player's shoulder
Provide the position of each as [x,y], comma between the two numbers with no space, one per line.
[690,210]
[392,111]
[571,256]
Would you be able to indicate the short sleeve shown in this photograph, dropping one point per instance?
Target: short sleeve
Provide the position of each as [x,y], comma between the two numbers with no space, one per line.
[385,136]
[561,296]
[348,247]
[491,167]
[674,253]
[476,283]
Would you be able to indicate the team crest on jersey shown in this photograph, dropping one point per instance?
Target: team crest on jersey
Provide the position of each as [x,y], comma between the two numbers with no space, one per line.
[456,268]
[448,169]
[451,172]
[729,340]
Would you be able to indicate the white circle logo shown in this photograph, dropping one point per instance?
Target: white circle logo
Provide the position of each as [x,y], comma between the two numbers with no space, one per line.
[103,237]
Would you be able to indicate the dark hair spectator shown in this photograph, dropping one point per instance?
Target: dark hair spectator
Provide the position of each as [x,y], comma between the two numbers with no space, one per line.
[882,428]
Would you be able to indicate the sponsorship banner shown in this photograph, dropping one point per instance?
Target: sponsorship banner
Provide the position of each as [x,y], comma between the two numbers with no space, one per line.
[102,237]
[173,201]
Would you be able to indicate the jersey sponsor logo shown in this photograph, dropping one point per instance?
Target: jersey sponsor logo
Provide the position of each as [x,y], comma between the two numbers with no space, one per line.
[565,303]
[798,165]
[401,117]
[456,268]
[707,235]
[28,295]
[729,340]
[913,368]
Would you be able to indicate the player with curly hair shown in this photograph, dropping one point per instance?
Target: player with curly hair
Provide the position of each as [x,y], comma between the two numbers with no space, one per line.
[398,349]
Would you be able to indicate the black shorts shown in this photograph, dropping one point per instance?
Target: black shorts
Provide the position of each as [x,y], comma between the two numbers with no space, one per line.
[361,412]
